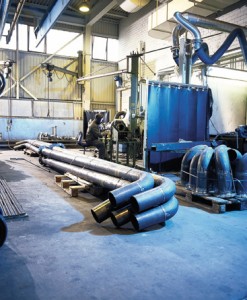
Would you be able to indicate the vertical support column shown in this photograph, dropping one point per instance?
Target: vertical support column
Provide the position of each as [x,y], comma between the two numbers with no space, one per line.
[185,61]
[17,76]
[134,92]
[87,66]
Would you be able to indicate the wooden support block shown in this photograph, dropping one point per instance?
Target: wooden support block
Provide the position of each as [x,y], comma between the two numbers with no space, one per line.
[58,178]
[65,183]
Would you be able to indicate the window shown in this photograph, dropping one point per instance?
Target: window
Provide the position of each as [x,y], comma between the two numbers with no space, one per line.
[112,53]
[23,34]
[99,48]
[105,48]
[12,43]
[33,42]
[56,39]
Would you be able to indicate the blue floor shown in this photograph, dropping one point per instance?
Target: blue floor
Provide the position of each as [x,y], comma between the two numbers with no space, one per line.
[59,252]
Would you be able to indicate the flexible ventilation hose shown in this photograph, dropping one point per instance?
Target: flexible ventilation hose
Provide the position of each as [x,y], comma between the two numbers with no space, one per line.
[209,60]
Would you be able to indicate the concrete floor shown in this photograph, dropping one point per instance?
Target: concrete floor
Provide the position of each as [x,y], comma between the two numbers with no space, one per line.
[59,252]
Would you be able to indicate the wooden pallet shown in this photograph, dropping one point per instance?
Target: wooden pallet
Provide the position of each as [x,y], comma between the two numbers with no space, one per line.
[211,204]
[72,184]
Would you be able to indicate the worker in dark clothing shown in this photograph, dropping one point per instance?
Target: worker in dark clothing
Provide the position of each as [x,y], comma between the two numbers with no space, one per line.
[93,134]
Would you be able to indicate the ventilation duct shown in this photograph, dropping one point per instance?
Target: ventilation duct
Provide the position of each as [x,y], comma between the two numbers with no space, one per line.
[132,6]
[161,22]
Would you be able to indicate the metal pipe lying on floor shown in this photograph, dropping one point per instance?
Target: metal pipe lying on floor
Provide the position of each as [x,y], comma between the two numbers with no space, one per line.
[152,189]
[103,180]
[142,180]
[156,215]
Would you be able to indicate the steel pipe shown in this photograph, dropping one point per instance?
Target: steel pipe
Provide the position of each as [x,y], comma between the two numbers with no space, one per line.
[185,165]
[156,215]
[103,180]
[162,193]
[204,163]
[241,177]
[224,172]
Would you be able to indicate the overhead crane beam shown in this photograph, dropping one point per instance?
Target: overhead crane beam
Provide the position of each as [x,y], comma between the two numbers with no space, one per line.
[48,22]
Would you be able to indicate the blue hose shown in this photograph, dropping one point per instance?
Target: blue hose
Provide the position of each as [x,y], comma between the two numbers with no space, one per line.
[209,60]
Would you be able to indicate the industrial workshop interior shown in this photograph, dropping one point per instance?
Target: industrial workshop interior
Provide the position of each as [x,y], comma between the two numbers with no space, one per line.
[123,149]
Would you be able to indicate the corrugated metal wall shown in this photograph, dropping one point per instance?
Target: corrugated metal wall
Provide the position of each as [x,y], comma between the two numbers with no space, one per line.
[103,90]
[106,29]
[62,87]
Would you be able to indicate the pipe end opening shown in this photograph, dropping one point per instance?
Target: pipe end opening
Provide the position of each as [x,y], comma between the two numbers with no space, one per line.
[134,205]
[134,222]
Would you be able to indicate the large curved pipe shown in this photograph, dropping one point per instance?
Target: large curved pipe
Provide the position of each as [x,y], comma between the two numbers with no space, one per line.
[162,193]
[185,165]
[156,215]
[193,172]
[3,229]
[203,171]
[122,195]
[224,172]
[143,180]
[189,27]
[241,177]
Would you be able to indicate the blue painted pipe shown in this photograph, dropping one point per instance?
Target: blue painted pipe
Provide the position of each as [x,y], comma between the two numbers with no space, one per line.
[185,165]
[123,194]
[209,60]
[203,172]
[3,229]
[156,215]
[224,172]
[162,193]
[241,177]
[186,21]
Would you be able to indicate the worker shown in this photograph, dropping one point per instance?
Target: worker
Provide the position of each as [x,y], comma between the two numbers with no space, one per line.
[93,136]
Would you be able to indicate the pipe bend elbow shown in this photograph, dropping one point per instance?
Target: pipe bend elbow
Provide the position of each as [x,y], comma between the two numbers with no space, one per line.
[224,172]
[189,27]
[185,165]
[156,215]
[164,190]
[123,194]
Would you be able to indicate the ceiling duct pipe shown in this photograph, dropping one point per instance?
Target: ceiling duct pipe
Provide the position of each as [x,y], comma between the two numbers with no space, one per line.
[187,21]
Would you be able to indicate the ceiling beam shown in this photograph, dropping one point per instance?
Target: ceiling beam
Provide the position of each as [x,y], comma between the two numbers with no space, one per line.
[99,10]
[3,14]
[48,22]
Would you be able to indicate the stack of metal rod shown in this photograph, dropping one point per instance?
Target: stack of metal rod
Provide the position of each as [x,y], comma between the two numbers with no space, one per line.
[8,202]
[135,196]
